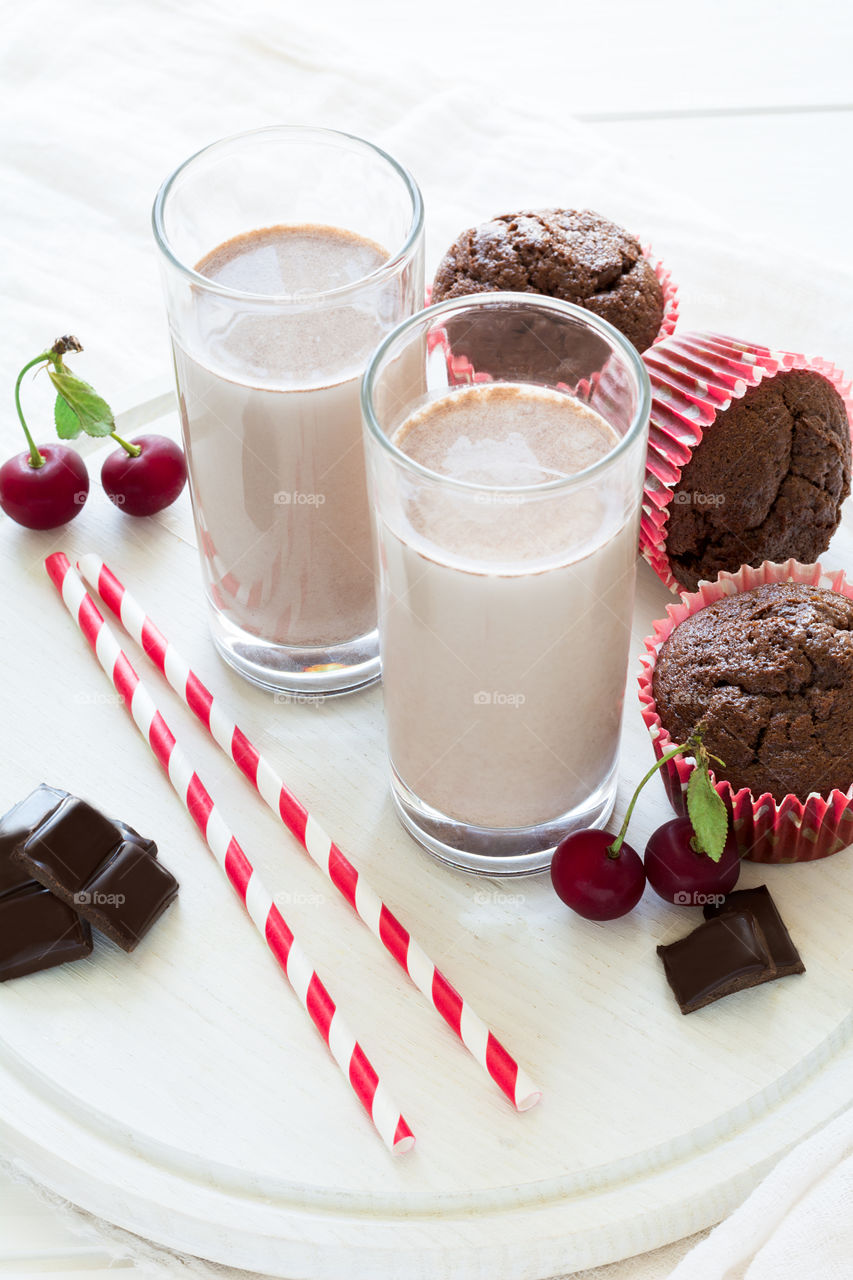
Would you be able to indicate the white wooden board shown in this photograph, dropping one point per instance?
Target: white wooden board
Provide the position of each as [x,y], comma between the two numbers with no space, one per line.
[181,1093]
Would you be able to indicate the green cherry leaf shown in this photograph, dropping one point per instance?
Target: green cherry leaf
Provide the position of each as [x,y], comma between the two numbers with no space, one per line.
[707,813]
[68,425]
[94,414]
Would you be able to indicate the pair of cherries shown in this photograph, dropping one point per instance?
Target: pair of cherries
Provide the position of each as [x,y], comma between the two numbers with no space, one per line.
[47,485]
[686,860]
[141,480]
[602,885]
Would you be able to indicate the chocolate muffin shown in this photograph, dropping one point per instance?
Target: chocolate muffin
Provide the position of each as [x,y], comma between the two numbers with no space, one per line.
[770,673]
[766,481]
[576,255]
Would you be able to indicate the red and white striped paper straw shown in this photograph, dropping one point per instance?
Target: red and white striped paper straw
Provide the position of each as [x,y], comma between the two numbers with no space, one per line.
[224,846]
[478,1039]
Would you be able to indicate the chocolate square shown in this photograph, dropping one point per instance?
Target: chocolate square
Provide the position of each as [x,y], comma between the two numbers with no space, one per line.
[19,823]
[60,860]
[37,932]
[783,953]
[68,846]
[116,884]
[127,894]
[726,954]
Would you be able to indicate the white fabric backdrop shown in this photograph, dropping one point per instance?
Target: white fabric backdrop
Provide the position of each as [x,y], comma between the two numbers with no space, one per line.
[797,1224]
[103,100]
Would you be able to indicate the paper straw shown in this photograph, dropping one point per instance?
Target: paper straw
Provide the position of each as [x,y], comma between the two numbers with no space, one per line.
[224,846]
[478,1039]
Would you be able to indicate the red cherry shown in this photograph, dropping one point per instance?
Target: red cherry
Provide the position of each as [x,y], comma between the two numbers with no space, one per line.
[47,496]
[681,875]
[593,883]
[150,481]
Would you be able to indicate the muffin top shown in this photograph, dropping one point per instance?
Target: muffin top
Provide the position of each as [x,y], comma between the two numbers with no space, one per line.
[766,482]
[576,255]
[770,673]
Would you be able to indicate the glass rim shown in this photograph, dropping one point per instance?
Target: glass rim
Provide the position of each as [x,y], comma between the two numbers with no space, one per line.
[588,318]
[385,269]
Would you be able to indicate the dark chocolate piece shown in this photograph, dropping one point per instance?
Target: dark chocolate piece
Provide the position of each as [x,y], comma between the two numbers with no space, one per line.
[37,931]
[69,846]
[105,870]
[127,895]
[783,953]
[16,825]
[721,956]
[130,834]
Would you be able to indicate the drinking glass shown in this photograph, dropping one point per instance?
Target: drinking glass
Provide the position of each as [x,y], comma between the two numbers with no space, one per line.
[504,609]
[268,386]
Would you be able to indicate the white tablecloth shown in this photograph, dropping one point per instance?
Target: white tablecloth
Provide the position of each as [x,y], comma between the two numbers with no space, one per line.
[103,100]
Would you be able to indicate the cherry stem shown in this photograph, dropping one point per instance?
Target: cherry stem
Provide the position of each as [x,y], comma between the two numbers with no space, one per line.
[36,459]
[614,849]
[133,449]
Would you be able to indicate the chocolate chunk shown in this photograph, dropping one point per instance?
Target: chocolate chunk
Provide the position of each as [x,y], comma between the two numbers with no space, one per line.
[104,870]
[783,953]
[16,825]
[69,845]
[726,954]
[37,931]
[127,895]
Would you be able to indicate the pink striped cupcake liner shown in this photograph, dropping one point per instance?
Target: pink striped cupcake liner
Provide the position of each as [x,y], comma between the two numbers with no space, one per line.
[670,296]
[694,377]
[462,373]
[766,830]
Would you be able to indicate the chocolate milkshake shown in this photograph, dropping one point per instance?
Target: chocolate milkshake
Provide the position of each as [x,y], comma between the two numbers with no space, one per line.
[505,619]
[272,430]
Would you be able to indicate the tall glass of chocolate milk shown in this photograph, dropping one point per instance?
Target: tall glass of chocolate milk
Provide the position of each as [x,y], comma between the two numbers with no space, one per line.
[287,253]
[506,441]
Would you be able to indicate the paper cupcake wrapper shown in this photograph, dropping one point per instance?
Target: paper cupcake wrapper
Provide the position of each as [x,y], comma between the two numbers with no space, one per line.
[694,377]
[670,296]
[462,372]
[766,830]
